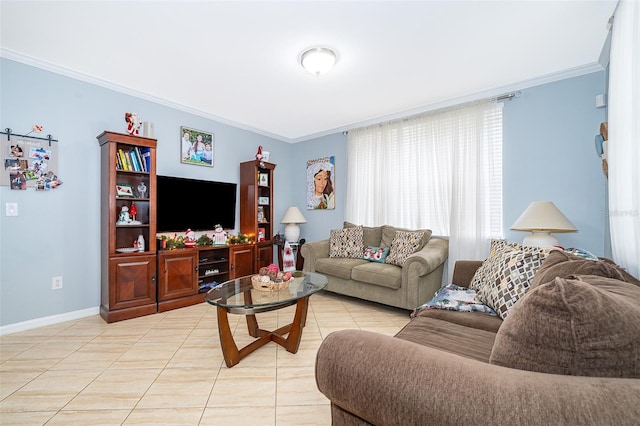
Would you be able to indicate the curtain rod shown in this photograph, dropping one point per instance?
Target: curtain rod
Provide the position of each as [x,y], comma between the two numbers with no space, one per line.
[505,97]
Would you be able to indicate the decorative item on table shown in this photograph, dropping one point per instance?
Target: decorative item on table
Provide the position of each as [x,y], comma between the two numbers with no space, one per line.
[269,278]
[190,238]
[219,236]
[261,234]
[170,243]
[288,258]
[204,240]
[133,123]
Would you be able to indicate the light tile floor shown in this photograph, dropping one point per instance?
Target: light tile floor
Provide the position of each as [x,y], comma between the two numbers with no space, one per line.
[167,368]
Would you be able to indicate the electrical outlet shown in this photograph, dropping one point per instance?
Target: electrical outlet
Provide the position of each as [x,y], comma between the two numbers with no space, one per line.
[56,283]
[11,209]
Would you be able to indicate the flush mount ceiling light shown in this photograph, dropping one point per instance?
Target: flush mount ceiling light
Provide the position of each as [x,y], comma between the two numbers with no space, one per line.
[318,60]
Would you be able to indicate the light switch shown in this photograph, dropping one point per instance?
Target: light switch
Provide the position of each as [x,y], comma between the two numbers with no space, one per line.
[12,209]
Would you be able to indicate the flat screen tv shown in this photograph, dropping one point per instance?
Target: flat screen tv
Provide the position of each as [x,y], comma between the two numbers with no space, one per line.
[194,204]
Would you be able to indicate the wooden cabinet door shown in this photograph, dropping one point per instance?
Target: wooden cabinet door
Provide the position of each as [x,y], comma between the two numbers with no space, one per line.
[134,282]
[177,274]
[264,255]
[242,261]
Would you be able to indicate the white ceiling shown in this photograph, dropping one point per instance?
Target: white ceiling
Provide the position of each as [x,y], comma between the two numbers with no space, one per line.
[237,62]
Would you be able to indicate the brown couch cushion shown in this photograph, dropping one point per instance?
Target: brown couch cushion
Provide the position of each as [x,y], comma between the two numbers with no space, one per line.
[452,338]
[587,326]
[478,320]
[561,264]
[378,274]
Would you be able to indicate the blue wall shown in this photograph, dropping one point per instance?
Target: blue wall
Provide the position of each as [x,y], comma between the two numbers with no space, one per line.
[548,155]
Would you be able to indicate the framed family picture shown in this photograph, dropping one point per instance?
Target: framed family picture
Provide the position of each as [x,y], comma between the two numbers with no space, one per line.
[196,147]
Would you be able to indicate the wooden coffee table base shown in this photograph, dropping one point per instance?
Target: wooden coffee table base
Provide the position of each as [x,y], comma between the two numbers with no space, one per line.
[232,355]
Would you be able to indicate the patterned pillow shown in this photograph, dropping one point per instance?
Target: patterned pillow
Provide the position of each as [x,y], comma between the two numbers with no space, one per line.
[455,298]
[498,247]
[347,242]
[404,244]
[376,254]
[510,278]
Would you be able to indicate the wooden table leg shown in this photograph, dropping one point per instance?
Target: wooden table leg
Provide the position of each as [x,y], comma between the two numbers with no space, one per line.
[295,334]
[229,347]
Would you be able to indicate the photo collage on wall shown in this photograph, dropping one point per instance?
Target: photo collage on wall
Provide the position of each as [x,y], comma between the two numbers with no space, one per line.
[28,162]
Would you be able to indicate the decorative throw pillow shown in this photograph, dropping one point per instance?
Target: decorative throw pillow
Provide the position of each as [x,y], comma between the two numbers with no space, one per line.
[389,233]
[375,254]
[455,298]
[587,326]
[561,264]
[371,234]
[510,278]
[404,244]
[347,242]
[488,267]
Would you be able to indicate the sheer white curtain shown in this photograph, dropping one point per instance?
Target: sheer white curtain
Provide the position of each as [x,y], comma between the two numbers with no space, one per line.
[624,136]
[441,171]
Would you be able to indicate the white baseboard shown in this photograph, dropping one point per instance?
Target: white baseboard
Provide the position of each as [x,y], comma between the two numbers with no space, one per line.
[50,320]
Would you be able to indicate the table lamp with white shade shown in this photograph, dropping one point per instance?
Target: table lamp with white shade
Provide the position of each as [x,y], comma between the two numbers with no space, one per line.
[542,218]
[292,218]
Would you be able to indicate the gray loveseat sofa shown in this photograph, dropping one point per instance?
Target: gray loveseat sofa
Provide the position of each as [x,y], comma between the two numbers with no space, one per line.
[407,287]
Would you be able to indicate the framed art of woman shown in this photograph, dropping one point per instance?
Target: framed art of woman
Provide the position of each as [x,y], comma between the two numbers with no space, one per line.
[320,188]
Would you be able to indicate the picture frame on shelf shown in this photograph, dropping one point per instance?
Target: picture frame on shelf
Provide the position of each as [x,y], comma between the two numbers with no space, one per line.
[261,217]
[263,201]
[124,190]
[196,147]
[263,179]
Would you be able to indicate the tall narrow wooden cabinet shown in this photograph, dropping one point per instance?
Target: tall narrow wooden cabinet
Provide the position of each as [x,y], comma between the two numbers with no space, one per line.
[256,208]
[128,241]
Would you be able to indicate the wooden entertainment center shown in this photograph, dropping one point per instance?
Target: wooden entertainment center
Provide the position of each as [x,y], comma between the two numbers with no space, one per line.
[130,261]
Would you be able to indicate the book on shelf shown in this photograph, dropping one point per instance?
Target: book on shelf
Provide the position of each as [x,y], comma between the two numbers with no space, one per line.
[146,159]
[134,161]
[123,159]
[139,159]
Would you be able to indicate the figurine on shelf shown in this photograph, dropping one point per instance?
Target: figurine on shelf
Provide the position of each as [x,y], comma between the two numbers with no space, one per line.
[133,123]
[190,238]
[124,218]
[142,190]
[133,211]
[259,156]
[219,236]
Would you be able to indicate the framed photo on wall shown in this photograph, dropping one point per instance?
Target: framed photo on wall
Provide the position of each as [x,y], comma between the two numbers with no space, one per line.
[320,183]
[196,147]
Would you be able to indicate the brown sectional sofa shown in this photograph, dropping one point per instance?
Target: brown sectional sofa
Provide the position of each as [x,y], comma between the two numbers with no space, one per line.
[404,287]
[440,368]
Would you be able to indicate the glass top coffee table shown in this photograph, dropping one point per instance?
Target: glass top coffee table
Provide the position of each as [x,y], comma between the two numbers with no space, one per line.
[240,297]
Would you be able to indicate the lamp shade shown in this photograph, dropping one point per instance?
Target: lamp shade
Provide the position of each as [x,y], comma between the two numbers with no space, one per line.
[292,217]
[542,218]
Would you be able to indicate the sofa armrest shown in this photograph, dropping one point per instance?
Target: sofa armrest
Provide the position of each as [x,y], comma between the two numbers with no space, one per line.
[463,272]
[429,258]
[313,251]
[389,381]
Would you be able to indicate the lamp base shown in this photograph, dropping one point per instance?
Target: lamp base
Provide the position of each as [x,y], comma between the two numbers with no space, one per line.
[540,239]
[292,233]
